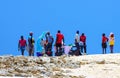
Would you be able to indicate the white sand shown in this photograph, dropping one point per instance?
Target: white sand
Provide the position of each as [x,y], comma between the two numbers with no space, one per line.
[110,68]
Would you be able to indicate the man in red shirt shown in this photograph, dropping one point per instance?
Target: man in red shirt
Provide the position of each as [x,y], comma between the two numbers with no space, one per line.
[59,41]
[83,41]
[22,44]
[104,43]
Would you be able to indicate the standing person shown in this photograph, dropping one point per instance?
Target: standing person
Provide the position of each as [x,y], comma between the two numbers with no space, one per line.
[31,44]
[77,36]
[50,40]
[59,40]
[104,43]
[77,43]
[21,45]
[83,40]
[111,42]
[40,47]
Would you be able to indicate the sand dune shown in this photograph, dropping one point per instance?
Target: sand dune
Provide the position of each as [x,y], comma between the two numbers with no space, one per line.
[87,66]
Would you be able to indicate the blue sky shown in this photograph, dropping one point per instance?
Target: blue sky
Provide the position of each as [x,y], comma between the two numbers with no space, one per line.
[93,17]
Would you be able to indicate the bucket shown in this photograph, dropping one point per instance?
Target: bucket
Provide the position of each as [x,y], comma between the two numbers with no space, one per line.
[39,54]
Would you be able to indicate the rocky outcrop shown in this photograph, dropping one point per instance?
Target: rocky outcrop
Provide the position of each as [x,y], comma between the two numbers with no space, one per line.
[89,66]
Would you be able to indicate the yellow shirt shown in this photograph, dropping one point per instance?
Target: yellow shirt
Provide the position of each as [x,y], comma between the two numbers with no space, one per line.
[111,41]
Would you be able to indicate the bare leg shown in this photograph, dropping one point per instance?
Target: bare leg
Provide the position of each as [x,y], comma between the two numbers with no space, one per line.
[30,52]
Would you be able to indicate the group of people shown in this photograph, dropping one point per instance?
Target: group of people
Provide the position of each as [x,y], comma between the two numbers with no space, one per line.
[45,45]
[105,40]
[80,43]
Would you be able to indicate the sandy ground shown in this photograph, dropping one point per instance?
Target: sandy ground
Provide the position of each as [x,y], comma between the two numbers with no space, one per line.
[98,66]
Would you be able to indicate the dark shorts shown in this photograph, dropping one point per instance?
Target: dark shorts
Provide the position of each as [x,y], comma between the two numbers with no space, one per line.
[77,45]
[58,45]
[22,48]
[104,45]
[49,47]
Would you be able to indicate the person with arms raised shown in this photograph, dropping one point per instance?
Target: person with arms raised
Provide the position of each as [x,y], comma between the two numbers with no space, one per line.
[50,40]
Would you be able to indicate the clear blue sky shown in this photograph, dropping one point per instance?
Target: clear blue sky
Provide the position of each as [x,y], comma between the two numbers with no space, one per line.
[93,17]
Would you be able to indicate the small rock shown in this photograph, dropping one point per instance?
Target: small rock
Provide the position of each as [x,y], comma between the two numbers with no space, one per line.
[56,69]
[100,61]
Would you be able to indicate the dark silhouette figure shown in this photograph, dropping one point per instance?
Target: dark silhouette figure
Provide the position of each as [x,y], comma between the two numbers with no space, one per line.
[104,43]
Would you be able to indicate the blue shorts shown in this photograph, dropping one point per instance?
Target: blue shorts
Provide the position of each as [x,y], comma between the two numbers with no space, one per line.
[22,48]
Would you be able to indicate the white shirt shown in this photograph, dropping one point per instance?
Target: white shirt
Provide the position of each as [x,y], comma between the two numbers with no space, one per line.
[77,38]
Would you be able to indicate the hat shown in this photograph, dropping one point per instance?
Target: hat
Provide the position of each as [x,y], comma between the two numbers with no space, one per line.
[111,34]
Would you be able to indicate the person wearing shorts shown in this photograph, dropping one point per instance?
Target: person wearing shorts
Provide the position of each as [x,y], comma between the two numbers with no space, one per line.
[31,44]
[59,42]
[22,45]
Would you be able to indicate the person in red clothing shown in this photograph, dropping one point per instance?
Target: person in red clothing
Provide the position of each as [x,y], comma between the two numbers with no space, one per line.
[83,41]
[104,43]
[59,42]
[22,44]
